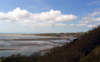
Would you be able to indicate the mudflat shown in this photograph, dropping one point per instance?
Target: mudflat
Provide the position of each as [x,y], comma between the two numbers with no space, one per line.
[60,38]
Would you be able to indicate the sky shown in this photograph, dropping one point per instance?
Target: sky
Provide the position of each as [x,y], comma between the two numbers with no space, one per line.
[48,16]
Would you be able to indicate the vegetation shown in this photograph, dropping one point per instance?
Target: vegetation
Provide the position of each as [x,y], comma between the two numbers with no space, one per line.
[62,34]
[85,49]
[93,56]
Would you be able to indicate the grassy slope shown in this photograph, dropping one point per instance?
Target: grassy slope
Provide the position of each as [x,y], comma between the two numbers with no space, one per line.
[93,56]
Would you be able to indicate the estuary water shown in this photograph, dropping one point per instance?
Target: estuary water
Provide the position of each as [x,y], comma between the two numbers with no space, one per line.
[26,47]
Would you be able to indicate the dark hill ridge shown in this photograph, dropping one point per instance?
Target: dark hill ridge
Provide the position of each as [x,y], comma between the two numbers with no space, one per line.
[76,51]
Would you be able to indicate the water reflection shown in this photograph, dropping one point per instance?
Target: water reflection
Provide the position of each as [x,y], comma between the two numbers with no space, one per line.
[27,47]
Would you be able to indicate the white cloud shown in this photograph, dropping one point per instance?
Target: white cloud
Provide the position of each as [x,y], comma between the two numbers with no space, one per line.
[88,20]
[91,26]
[91,18]
[95,2]
[41,5]
[96,13]
[97,19]
[51,18]
[77,25]
[15,15]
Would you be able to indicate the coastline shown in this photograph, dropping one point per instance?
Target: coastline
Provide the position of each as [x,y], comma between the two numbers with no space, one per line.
[37,39]
[8,49]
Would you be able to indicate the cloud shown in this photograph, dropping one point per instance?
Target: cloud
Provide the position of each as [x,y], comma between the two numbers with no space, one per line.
[91,20]
[91,26]
[41,5]
[76,25]
[53,16]
[96,13]
[50,18]
[15,15]
[95,2]
[91,17]
[88,20]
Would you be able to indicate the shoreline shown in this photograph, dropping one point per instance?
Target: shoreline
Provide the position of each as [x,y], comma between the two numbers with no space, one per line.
[8,49]
[35,39]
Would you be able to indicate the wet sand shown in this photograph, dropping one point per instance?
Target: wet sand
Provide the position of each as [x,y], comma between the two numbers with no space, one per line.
[8,49]
[60,38]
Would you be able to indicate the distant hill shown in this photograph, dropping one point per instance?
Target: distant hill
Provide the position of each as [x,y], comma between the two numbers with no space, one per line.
[84,49]
[62,34]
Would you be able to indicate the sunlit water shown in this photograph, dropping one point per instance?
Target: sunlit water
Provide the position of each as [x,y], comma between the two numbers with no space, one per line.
[26,47]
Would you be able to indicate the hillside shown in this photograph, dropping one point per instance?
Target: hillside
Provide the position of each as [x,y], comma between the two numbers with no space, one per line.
[85,49]
[75,50]
[93,56]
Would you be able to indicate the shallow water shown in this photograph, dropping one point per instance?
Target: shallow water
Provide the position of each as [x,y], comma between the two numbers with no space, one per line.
[26,47]
[21,36]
